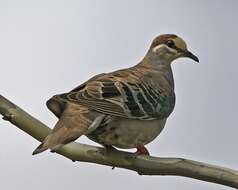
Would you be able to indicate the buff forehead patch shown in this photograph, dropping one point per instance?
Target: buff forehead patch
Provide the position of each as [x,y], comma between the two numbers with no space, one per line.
[180,43]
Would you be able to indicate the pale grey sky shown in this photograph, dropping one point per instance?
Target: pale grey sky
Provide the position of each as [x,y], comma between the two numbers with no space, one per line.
[51,46]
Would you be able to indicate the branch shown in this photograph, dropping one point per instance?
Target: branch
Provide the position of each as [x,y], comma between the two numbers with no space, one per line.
[144,165]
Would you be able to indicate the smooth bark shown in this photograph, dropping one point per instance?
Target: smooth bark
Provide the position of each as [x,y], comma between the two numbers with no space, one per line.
[144,165]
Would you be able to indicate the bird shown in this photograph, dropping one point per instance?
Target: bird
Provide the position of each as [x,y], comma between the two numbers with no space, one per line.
[125,109]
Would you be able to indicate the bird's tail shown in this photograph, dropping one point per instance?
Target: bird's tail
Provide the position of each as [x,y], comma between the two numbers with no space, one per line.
[73,123]
[59,137]
[55,140]
[50,142]
[39,149]
[68,128]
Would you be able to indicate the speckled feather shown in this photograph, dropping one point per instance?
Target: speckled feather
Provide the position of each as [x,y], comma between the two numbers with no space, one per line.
[124,108]
[135,93]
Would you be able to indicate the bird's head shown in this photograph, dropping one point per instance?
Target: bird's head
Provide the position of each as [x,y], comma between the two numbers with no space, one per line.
[168,47]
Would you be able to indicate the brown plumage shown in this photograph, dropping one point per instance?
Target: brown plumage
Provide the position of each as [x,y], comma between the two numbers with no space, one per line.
[162,39]
[126,108]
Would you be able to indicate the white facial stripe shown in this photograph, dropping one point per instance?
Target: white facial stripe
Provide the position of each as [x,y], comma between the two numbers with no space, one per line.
[156,48]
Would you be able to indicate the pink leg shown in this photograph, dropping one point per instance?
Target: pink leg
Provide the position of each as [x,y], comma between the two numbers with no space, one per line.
[141,150]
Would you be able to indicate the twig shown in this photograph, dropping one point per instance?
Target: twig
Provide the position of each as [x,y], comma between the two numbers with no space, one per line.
[144,165]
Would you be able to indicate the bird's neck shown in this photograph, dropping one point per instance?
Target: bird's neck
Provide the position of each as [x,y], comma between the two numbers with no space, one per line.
[160,65]
[157,59]
[156,62]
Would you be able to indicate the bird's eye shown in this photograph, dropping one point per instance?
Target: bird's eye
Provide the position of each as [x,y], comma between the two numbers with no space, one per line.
[170,43]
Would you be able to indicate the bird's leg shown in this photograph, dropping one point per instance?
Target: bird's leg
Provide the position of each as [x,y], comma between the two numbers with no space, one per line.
[109,147]
[141,150]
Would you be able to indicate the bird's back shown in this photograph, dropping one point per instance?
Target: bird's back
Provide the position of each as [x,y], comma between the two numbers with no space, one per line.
[139,92]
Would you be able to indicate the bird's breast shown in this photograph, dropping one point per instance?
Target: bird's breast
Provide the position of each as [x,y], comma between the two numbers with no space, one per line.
[127,133]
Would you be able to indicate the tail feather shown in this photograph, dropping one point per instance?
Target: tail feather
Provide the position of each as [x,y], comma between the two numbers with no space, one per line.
[59,136]
[52,142]
[71,125]
[55,140]
[39,149]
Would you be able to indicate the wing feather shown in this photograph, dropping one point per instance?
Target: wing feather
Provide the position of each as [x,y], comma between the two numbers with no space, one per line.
[124,93]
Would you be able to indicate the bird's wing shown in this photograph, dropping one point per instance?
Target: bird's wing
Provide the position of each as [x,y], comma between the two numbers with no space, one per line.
[123,93]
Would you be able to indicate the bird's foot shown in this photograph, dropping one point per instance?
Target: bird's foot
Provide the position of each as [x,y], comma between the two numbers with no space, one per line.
[109,148]
[141,150]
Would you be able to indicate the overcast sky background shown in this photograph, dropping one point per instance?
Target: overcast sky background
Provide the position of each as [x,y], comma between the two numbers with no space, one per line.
[51,46]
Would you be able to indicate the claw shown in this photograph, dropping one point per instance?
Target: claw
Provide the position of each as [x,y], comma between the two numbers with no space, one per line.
[141,150]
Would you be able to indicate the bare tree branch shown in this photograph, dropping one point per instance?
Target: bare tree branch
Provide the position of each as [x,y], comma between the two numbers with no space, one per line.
[144,165]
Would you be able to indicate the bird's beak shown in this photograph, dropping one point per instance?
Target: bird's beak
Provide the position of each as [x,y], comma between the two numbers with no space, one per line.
[189,54]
